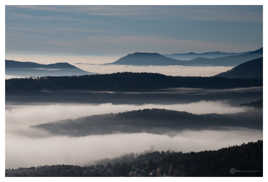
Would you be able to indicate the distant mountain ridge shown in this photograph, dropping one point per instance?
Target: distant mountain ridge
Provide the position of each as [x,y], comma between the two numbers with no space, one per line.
[213,54]
[192,55]
[224,61]
[19,64]
[250,70]
[36,69]
[147,59]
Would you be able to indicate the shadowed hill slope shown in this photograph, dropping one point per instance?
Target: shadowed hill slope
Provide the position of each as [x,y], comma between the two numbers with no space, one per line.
[248,70]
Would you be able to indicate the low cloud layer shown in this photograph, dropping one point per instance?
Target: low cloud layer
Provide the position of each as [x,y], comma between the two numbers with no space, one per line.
[43,113]
[94,64]
[27,147]
[167,70]
[26,152]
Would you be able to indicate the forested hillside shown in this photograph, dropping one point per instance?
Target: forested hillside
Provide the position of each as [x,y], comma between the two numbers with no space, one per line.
[243,160]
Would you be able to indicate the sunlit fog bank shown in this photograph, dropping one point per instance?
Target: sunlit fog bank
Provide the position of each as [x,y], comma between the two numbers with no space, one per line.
[26,152]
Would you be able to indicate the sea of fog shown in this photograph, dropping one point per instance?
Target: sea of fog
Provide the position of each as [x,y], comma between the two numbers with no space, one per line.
[98,64]
[26,146]
[167,70]
[27,152]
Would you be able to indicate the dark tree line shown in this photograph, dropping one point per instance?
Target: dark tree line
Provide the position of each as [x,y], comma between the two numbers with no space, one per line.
[243,160]
[124,82]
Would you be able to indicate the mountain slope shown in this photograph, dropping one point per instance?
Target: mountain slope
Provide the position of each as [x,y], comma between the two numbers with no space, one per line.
[248,70]
[140,58]
[30,69]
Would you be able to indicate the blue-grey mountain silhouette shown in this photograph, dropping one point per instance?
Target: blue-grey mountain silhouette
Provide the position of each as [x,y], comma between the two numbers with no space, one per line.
[146,59]
[192,55]
[142,58]
[31,69]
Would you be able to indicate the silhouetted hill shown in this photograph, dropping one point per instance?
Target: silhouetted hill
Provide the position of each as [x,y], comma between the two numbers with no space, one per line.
[34,69]
[139,59]
[156,121]
[233,60]
[19,64]
[143,59]
[249,70]
[125,82]
[243,160]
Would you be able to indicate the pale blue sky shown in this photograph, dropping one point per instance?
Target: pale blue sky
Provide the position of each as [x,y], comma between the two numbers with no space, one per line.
[118,30]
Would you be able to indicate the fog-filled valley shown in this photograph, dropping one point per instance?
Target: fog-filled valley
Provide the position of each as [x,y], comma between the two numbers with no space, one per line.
[200,64]
[48,148]
[134,90]
[109,68]
[83,111]
[99,115]
[60,150]
[87,121]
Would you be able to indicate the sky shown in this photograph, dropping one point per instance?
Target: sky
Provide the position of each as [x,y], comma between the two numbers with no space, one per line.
[119,30]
